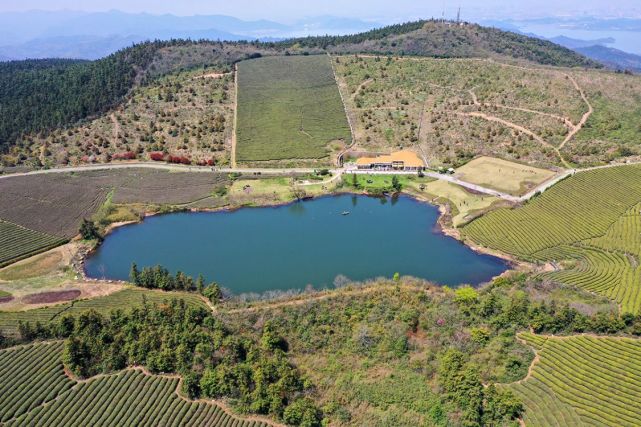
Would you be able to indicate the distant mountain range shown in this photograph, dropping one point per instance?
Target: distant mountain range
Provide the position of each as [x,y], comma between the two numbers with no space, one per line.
[70,34]
[596,49]
[613,58]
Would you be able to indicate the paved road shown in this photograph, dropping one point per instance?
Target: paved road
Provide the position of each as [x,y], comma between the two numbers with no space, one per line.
[443,177]
[161,166]
[336,172]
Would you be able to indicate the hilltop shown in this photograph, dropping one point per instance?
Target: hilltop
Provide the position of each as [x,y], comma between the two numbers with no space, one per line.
[450,40]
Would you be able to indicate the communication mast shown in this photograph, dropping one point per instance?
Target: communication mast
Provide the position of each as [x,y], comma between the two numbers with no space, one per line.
[458,15]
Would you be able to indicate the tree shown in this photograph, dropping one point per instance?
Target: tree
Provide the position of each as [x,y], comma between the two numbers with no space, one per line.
[89,231]
[466,296]
[134,275]
[213,293]
[200,284]
[191,385]
[355,183]
[396,184]
[302,412]
[500,405]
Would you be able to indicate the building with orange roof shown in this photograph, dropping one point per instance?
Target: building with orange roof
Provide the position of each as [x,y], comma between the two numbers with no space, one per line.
[404,160]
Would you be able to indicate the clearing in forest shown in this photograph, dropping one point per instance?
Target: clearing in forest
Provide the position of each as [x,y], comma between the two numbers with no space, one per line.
[582,380]
[289,108]
[508,177]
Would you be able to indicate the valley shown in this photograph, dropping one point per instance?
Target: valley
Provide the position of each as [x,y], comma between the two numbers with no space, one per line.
[237,234]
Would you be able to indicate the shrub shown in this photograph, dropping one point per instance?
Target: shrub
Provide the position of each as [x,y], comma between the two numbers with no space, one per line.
[302,412]
[89,231]
[127,155]
[157,156]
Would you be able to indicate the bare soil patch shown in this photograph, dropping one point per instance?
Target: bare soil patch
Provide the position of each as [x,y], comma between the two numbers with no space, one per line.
[6,299]
[49,297]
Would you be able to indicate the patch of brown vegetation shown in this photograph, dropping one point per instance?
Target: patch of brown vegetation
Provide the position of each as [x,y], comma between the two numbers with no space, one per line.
[56,203]
[54,296]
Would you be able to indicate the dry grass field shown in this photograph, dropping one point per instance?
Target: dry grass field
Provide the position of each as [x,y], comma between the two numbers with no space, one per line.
[501,175]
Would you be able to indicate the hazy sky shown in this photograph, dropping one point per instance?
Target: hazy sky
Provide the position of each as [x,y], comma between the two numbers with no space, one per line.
[381,10]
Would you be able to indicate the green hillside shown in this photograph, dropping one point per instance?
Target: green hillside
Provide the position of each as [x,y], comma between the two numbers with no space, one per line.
[45,94]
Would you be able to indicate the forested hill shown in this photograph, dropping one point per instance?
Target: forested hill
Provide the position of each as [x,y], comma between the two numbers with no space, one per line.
[40,95]
[36,95]
[450,40]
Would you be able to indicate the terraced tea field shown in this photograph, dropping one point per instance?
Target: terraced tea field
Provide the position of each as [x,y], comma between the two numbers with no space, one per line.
[582,380]
[18,242]
[30,375]
[124,299]
[579,208]
[36,391]
[587,225]
[289,108]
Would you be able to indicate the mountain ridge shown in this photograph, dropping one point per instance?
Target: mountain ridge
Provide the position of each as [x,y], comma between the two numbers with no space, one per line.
[37,97]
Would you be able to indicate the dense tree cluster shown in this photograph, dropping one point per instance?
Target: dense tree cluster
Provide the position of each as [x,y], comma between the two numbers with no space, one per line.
[213,361]
[376,34]
[461,383]
[42,94]
[158,277]
[447,40]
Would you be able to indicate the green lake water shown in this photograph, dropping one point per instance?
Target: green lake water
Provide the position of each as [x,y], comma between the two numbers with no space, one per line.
[292,246]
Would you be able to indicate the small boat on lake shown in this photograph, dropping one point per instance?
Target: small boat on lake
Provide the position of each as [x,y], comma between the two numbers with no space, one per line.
[345,213]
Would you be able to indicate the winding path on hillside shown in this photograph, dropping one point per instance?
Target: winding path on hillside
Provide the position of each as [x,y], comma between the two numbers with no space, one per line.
[573,129]
[585,117]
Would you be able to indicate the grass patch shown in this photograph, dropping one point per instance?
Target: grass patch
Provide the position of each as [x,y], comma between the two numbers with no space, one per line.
[501,175]
[40,265]
[463,204]
[288,108]
[378,184]
[279,189]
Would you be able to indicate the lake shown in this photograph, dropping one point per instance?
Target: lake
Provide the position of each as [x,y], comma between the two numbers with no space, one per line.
[292,246]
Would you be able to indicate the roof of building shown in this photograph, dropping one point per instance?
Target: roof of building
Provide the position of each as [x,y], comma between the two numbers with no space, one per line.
[409,158]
